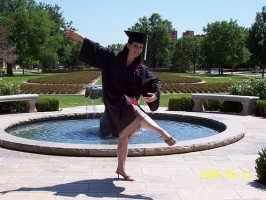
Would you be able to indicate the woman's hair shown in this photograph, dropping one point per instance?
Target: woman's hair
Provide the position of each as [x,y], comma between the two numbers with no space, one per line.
[138,60]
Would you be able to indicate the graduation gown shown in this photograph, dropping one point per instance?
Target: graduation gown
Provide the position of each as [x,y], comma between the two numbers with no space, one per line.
[119,82]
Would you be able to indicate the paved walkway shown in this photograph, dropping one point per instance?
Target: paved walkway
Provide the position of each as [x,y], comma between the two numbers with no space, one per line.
[223,173]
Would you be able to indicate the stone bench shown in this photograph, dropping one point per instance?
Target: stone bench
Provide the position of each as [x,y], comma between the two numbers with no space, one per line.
[248,102]
[30,99]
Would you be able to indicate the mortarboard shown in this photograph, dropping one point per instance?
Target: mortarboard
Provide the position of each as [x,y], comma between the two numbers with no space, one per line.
[136,37]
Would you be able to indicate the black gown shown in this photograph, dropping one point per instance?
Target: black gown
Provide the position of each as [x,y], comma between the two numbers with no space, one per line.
[119,82]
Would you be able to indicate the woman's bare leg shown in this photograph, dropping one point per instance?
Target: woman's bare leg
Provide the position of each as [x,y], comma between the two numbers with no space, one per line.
[131,128]
[149,123]
[122,151]
[122,147]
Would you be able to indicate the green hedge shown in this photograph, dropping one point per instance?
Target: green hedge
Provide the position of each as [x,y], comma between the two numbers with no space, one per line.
[47,104]
[261,166]
[11,107]
[260,108]
[180,103]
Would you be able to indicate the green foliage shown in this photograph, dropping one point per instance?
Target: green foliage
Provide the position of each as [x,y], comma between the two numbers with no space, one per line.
[47,104]
[187,52]
[261,166]
[180,103]
[223,106]
[260,108]
[257,44]
[8,107]
[38,32]
[212,105]
[118,47]
[251,87]
[231,106]
[7,88]
[225,44]
[160,43]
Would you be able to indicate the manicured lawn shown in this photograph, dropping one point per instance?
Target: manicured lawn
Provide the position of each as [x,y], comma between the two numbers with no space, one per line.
[66,101]
[214,78]
[21,78]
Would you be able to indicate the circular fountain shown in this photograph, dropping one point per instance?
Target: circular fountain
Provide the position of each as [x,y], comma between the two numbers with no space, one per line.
[224,132]
[230,132]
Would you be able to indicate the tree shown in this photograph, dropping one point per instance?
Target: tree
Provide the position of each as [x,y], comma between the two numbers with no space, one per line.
[160,43]
[225,44]
[38,31]
[12,6]
[187,52]
[31,31]
[257,40]
[118,47]
[65,46]
[7,49]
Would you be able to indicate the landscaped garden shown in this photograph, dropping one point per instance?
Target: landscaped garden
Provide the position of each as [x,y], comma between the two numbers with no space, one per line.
[68,87]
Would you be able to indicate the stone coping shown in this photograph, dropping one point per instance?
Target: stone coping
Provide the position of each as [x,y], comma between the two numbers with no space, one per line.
[233,132]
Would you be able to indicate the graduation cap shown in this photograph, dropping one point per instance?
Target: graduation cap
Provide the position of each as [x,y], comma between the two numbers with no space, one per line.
[136,37]
[139,37]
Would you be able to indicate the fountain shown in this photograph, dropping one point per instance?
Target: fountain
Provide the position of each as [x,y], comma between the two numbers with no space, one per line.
[225,132]
[96,92]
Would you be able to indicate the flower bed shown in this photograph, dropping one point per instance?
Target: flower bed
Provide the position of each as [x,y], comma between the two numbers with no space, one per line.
[72,83]
[51,89]
[77,78]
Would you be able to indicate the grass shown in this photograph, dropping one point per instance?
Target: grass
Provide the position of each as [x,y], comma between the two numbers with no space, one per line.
[66,101]
[21,78]
[214,78]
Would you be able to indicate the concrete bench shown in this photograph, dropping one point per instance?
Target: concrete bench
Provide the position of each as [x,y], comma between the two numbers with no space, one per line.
[30,99]
[248,102]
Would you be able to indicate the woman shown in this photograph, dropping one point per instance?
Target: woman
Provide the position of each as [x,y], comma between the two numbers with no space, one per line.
[124,80]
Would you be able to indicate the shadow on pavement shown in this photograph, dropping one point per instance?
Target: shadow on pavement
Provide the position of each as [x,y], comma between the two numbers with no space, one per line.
[100,188]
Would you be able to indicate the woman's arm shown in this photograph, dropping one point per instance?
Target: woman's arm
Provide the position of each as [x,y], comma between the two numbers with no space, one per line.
[151,89]
[91,53]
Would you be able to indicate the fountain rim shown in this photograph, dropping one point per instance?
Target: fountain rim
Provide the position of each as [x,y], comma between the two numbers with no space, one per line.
[234,131]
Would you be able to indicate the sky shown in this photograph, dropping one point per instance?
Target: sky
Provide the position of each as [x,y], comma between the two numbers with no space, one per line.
[104,21]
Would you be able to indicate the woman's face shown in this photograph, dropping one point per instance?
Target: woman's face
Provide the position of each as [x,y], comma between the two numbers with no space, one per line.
[134,49]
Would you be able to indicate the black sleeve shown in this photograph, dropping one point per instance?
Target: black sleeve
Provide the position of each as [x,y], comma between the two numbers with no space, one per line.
[151,84]
[94,54]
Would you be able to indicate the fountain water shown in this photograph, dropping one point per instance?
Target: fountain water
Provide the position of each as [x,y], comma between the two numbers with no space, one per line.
[94,92]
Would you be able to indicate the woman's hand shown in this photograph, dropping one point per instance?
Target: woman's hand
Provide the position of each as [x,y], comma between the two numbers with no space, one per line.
[150,99]
[75,36]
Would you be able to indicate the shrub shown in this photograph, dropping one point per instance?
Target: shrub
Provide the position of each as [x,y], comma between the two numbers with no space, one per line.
[47,104]
[261,166]
[180,103]
[260,108]
[212,105]
[251,87]
[9,88]
[11,107]
[231,106]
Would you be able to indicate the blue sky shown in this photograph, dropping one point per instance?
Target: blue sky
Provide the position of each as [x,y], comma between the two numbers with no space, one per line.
[104,21]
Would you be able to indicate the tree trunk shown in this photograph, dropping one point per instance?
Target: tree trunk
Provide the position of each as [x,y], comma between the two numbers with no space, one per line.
[9,70]
[222,70]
